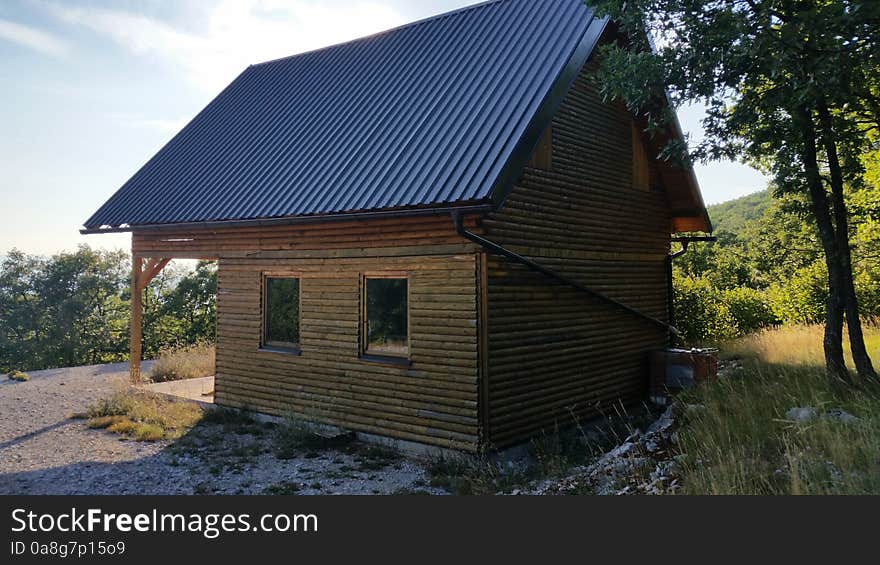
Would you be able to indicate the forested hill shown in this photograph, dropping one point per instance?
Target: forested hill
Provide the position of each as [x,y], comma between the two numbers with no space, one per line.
[733,215]
[767,266]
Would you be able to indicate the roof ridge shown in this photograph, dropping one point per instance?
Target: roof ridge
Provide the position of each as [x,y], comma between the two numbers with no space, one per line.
[384,31]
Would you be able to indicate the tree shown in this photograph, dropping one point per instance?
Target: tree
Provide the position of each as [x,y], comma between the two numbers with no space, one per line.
[66,310]
[74,308]
[792,86]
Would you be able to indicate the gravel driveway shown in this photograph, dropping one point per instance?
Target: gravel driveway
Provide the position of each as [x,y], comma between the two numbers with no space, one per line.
[42,451]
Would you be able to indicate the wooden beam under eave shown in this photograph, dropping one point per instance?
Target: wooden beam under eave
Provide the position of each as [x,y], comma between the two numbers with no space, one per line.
[153,268]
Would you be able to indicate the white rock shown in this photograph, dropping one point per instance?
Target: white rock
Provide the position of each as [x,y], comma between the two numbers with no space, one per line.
[802,415]
[842,416]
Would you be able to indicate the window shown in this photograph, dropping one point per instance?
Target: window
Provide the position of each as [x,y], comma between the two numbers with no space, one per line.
[385,316]
[281,312]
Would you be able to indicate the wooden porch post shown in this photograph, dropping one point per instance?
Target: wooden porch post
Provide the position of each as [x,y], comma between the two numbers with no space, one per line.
[141,275]
[137,311]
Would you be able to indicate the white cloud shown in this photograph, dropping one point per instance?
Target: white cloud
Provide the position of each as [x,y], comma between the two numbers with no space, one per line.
[33,39]
[236,33]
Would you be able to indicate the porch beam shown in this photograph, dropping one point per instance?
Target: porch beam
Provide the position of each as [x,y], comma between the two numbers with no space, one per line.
[152,268]
[141,275]
[137,312]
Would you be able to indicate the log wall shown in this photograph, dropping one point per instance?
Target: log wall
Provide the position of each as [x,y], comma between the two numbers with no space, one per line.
[434,400]
[554,354]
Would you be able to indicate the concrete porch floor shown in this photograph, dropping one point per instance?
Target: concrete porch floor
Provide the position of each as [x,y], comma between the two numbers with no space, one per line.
[200,390]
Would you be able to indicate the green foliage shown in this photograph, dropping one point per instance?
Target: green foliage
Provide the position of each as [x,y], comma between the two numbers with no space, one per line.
[749,309]
[801,300]
[732,216]
[67,310]
[180,308]
[74,309]
[700,315]
[762,68]
[771,271]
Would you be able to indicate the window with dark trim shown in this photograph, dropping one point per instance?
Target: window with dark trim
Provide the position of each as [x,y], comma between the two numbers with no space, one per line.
[281,312]
[385,316]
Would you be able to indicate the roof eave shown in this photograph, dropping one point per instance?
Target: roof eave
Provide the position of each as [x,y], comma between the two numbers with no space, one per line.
[469,208]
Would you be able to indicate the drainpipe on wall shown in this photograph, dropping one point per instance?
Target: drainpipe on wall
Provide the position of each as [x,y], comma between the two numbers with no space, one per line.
[498,249]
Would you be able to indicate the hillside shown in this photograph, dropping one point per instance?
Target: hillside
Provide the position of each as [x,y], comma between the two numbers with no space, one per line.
[733,215]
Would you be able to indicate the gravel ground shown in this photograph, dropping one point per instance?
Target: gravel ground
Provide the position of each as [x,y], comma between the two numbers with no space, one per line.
[42,451]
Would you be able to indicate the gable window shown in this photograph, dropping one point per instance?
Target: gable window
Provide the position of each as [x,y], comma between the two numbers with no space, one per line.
[385,316]
[281,313]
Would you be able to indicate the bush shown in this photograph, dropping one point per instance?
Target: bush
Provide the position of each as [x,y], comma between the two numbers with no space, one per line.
[188,362]
[801,299]
[19,376]
[700,313]
[750,309]
[705,314]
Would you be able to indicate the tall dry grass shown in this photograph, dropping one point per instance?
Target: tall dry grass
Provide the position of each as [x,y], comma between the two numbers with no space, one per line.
[737,439]
[187,362]
[795,345]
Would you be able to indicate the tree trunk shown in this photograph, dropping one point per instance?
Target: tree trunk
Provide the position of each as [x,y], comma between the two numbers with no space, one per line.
[835,365]
[850,302]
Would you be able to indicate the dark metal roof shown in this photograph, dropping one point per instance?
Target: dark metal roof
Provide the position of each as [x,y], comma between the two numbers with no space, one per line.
[434,113]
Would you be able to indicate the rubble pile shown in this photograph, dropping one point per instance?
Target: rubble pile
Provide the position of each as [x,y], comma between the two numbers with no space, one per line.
[645,463]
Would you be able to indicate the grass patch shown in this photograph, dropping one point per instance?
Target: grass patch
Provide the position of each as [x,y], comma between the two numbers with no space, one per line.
[234,421]
[743,443]
[549,455]
[188,362]
[142,416]
[283,488]
[19,376]
[794,345]
[102,422]
[295,437]
[376,457]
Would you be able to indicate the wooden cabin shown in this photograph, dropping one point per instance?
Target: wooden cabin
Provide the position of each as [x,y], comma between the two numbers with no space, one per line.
[438,234]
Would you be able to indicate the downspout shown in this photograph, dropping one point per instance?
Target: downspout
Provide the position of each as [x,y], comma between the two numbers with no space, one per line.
[685,241]
[498,249]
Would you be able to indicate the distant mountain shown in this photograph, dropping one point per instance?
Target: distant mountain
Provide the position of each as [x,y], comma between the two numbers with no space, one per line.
[733,215]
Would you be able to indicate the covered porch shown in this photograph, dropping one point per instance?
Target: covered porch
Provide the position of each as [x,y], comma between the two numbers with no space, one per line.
[145,267]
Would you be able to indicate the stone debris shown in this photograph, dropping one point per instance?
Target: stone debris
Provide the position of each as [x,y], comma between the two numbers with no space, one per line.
[802,415]
[842,416]
[807,414]
[645,463]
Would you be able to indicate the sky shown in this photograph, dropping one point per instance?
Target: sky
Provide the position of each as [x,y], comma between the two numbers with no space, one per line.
[91,89]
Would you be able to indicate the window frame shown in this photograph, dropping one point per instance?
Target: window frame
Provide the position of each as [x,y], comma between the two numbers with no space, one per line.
[279,346]
[363,347]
